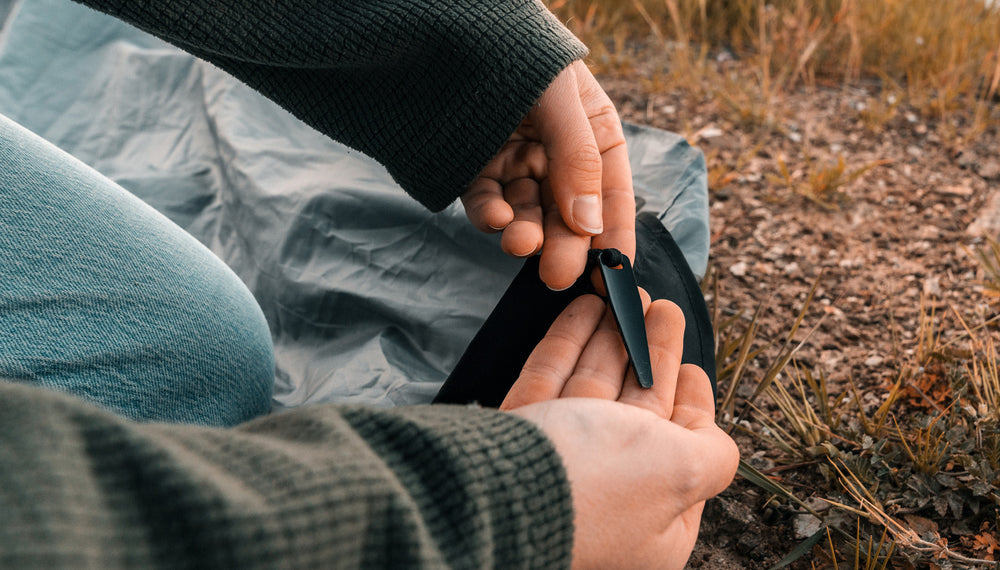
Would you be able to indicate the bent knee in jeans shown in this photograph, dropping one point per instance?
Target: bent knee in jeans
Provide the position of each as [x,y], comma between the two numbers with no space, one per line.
[103,297]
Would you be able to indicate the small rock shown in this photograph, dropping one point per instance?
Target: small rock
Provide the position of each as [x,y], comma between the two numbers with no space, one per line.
[988,222]
[873,361]
[967,159]
[709,133]
[792,269]
[724,56]
[929,231]
[831,358]
[738,269]
[833,311]
[806,525]
[760,461]
[963,190]
[932,286]
[989,169]
[775,252]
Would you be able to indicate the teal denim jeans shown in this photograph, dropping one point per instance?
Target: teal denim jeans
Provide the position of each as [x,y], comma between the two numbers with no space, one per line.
[103,297]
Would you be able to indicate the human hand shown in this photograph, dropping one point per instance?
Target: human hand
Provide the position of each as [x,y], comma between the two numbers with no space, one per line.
[641,463]
[562,183]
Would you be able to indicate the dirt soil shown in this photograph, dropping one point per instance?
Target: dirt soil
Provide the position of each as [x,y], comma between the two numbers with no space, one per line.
[899,233]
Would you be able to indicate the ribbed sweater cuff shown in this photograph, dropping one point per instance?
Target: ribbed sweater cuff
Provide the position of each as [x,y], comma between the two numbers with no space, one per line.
[486,481]
[517,49]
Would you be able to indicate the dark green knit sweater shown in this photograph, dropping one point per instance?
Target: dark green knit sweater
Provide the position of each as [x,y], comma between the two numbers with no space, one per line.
[429,88]
[319,487]
[432,89]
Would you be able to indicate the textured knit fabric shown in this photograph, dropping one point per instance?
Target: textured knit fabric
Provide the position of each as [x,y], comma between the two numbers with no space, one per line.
[318,487]
[430,88]
[103,297]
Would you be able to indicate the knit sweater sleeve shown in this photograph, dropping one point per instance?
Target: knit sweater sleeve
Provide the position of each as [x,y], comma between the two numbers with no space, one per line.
[325,486]
[429,88]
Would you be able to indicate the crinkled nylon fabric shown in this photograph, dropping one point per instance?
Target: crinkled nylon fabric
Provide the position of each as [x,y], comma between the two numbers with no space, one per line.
[369,297]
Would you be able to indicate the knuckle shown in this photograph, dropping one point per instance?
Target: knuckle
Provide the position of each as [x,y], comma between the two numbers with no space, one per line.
[585,157]
[540,370]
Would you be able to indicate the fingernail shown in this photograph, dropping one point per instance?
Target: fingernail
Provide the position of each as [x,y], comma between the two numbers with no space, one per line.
[587,213]
[558,290]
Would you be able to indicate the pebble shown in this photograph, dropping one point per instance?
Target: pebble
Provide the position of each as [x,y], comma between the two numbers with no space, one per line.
[988,222]
[963,190]
[873,361]
[989,169]
[806,525]
[709,133]
[932,286]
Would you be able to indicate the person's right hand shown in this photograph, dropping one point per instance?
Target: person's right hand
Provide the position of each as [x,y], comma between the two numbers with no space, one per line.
[641,463]
[562,184]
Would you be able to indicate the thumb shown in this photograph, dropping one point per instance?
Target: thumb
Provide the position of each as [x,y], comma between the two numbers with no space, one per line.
[575,164]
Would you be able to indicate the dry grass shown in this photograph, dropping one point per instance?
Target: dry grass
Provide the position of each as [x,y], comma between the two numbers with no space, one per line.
[939,57]
[946,53]
[929,443]
[916,449]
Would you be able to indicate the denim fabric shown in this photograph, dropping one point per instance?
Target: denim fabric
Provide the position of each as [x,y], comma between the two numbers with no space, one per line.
[103,297]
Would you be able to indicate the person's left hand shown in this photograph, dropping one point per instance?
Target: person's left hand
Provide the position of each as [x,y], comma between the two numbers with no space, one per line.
[562,183]
[640,463]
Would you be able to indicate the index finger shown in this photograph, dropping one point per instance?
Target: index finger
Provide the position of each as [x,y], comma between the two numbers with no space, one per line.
[552,362]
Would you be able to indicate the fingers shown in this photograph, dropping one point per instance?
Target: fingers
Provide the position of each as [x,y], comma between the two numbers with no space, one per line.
[523,236]
[564,253]
[485,207]
[618,202]
[588,159]
[694,403]
[601,367]
[505,197]
[665,333]
[617,193]
[694,410]
[604,362]
[571,147]
[554,359]
[573,144]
